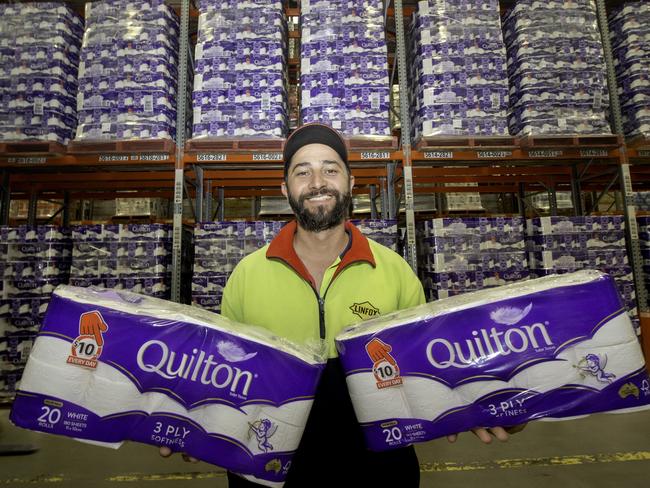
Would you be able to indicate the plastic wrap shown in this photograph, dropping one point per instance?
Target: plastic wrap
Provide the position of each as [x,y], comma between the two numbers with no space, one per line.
[558,347]
[240,80]
[112,366]
[558,83]
[457,70]
[629,26]
[135,257]
[344,66]
[39,57]
[128,71]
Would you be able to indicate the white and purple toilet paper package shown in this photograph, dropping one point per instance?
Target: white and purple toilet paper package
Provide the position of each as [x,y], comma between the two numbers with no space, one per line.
[112,366]
[556,68]
[558,347]
[39,56]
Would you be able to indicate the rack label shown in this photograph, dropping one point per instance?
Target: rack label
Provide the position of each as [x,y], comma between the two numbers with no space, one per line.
[114,157]
[545,153]
[438,154]
[37,160]
[493,154]
[211,157]
[375,155]
[594,153]
[267,157]
[644,153]
[151,157]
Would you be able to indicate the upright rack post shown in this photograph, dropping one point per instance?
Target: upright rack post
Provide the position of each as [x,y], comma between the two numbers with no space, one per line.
[629,206]
[405,124]
[177,241]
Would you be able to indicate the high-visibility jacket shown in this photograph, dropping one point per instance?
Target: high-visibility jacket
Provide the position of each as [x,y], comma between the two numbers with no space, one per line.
[272,288]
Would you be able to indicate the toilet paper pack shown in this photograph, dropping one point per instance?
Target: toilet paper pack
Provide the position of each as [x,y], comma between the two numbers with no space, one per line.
[111,365]
[558,347]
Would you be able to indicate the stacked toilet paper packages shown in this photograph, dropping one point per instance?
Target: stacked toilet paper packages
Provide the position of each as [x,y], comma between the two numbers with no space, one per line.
[566,244]
[240,82]
[458,78]
[559,347]
[644,241]
[39,57]
[558,82]
[642,200]
[383,231]
[458,255]
[629,25]
[218,247]
[33,262]
[344,66]
[135,257]
[111,366]
[128,71]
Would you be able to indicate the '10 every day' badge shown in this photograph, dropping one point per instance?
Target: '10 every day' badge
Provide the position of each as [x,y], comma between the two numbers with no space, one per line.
[384,367]
[87,347]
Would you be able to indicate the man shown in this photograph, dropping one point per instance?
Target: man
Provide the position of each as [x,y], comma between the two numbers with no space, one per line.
[304,286]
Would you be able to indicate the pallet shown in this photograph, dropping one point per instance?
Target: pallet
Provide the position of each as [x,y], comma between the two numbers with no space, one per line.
[166,146]
[539,141]
[365,143]
[28,148]
[464,142]
[229,144]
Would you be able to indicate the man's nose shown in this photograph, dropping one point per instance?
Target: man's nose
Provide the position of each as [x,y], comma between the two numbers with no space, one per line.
[316,180]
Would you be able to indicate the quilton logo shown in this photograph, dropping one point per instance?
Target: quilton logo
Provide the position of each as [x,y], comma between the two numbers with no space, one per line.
[364,310]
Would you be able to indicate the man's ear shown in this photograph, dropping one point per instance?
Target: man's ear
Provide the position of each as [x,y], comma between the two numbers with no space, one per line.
[283,189]
[351,182]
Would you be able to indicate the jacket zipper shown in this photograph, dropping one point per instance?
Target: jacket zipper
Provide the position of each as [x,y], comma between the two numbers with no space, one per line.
[321,308]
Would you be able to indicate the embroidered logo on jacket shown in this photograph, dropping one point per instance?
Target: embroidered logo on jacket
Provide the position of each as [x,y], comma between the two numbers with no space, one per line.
[364,310]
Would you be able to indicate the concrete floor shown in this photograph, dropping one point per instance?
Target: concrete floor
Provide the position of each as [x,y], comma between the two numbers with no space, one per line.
[598,451]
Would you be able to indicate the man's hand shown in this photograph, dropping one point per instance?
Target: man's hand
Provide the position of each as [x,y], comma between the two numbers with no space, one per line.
[92,323]
[485,435]
[380,351]
[166,452]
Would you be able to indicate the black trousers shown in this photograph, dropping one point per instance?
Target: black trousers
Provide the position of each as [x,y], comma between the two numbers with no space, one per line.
[332,451]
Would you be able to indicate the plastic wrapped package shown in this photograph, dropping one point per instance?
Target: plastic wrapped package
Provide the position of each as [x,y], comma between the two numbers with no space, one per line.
[457,70]
[630,35]
[546,348]
[240,83]
[133,257]
[556,69]
[122,365]
[39,57]
[344,69]
[128,71]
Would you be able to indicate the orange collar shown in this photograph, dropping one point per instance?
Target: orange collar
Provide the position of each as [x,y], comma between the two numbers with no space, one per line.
[282,248]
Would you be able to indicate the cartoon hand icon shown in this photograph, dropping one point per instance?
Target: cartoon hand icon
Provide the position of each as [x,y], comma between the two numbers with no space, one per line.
[380,351]
[92,323]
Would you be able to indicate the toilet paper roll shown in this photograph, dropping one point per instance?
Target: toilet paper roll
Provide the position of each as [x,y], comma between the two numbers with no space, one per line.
[599,366]
[269,434]
[474,390]
[105,397]
[549,375]
[427,399]
[217,418]
[381,404]
[69,382]
[52,350]
[618,330]
[294,413]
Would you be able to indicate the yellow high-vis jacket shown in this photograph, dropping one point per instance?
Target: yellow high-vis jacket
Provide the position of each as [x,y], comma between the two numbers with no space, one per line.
[272,288]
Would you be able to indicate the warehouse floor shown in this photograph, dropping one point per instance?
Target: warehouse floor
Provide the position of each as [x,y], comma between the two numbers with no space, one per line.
[598,451]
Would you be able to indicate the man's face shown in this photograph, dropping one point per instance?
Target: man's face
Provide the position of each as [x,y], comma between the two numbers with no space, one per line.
[318,187]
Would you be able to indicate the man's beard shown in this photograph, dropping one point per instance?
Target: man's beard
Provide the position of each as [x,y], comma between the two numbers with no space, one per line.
[322,219]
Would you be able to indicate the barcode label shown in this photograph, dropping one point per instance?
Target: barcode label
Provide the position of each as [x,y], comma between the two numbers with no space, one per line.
[374,101]
[38,105]
[496,101]
[147,101]
[598,100]
[27,349]
[266,101]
